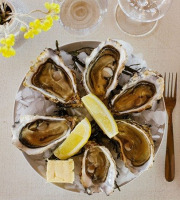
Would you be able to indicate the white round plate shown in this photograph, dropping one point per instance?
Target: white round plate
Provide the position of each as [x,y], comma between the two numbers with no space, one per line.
[156,117]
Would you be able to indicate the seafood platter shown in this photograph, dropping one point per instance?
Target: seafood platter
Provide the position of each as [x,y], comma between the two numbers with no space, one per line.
[89,116]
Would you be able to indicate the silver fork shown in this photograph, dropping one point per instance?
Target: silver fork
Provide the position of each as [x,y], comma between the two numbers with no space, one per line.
[170,101]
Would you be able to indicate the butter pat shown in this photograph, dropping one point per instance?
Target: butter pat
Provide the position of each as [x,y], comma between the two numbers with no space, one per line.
[60,171]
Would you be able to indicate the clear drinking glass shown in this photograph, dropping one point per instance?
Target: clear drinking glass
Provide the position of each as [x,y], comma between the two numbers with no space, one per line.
[139,17]
[82,16]
[13,27]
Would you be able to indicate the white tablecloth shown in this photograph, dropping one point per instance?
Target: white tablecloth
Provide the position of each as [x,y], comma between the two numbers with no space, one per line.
[161,50]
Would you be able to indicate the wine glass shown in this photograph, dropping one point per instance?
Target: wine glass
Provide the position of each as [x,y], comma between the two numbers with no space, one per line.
[82,16]
[139,17]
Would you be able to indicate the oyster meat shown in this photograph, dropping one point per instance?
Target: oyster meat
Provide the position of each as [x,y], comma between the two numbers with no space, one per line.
[53,79]
[98,169]
[103,67]
[36,134]
[139,93]
[136,145]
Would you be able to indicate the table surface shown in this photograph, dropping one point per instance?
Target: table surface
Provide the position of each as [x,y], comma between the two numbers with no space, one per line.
[161,50]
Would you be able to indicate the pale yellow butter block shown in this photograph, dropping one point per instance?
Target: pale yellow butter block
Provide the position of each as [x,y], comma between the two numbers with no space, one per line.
[60,171]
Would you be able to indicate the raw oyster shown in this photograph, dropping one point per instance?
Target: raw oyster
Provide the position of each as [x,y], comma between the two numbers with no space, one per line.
[103,68]
[139,93]
[36,134]
[53,79]
[98,169]
[136,144]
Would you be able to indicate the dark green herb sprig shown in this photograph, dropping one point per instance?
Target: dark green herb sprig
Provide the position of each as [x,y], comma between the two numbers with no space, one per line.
[86,50]
[99,137]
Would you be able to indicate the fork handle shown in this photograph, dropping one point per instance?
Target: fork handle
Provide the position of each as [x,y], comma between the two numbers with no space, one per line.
[170,161]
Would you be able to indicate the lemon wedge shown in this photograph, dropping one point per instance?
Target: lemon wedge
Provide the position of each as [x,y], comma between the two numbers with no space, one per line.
[101,114]
[75,141]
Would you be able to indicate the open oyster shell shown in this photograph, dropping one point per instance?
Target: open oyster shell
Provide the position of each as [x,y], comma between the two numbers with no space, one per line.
[98,169]
[139,93]
[36,134]
[136,145]
[103,67]
[53,79]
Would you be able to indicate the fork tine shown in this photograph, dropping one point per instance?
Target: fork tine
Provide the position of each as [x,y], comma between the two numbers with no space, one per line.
[168,85]
[171,86]
[165,84]
[175,87]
